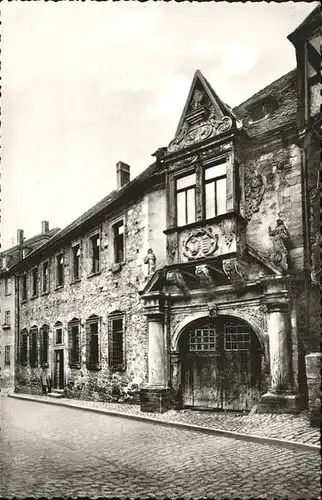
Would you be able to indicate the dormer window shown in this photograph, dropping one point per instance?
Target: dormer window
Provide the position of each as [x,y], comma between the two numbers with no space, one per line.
[261,110]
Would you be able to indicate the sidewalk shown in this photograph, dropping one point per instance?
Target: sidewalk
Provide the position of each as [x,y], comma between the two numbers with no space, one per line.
[282,429]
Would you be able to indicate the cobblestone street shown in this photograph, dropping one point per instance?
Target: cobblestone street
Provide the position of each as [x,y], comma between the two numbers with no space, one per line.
[58,451]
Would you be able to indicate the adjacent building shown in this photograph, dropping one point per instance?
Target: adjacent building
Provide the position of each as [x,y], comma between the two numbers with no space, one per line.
[9,259]
[190,285]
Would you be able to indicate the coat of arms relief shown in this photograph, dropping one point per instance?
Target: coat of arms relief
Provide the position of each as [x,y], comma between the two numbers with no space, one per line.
[200,243]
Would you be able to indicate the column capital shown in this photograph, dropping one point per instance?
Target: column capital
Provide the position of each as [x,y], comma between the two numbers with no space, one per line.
[154,306]
[276,305]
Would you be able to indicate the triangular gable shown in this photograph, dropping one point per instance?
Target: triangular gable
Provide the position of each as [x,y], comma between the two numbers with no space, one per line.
[204,115]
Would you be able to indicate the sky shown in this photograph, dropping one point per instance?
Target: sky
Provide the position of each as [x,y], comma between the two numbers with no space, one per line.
[86,84]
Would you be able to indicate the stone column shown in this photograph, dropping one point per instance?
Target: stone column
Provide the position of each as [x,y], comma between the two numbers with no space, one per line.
[281,396]
[156,394]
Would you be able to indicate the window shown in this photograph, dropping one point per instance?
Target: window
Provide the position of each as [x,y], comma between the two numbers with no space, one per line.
[7,317]
[24,347]
[215,190]
[24,287]
[74,343]
[185,195]
[33,347]
[237,337]
[203,339]
[7,286]
[116,342]
[76,262]
[92,343]
[95,253]
[7,355]
[44,344]
[58,333]
[59,270]
[45,277]
[118,240]
[34,281]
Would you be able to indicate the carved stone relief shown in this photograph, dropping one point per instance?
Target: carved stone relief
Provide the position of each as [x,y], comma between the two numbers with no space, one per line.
[258,314]
[171,248]
[233,270]
[189,135]
[228,230]
[254,191]
[176,278]
[280,237]
[200,243]
[203,275]
[185,161]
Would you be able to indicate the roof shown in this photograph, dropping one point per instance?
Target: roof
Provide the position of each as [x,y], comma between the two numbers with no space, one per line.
[30,242]
[101,208]
[283,92]
[312,21]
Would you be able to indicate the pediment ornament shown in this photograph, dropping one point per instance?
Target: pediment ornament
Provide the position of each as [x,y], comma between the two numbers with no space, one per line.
[200,243]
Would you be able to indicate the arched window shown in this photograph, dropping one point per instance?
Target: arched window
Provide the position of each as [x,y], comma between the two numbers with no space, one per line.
[93,326]
[24,347]
[44,345]
[33,346]
[74,350]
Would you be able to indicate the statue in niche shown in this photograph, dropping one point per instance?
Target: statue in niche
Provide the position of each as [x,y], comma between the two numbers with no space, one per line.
[196,99]
[280,236]
[150,260]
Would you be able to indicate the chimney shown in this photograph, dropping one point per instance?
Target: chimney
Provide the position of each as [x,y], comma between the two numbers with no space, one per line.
[122,174]
[44,226]
[20,237]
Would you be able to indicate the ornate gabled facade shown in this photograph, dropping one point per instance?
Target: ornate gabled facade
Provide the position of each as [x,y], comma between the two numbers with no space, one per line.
[189,286]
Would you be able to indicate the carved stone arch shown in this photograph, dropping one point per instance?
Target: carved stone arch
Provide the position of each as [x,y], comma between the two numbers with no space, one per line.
[191,318]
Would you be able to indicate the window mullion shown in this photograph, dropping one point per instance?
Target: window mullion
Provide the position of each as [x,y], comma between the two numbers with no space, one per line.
[199,194]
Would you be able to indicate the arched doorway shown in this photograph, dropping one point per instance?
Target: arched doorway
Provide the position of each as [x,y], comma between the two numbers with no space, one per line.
[222,364]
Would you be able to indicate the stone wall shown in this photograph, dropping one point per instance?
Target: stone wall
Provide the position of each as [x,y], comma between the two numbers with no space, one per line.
[101,294]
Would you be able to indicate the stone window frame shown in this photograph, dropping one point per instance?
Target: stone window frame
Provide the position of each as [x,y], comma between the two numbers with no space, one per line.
[34,293]
[23,347]
[58,254]
[198,167]
[44,353]
[74,363]
[73,245]
[7,318]
[7,355]
[113,366]
[59,326]
[24,287]
[33,346]
[116,266]
[95,232]
[42,281]
[93,319]
[7,285]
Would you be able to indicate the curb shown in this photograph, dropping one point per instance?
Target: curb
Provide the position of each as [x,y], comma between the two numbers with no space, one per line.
[207,430]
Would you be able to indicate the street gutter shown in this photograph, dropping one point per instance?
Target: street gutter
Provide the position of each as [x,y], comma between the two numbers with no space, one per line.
[180,425]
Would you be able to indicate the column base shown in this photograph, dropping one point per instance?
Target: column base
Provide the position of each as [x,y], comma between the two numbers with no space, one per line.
[280,403]
[155,399]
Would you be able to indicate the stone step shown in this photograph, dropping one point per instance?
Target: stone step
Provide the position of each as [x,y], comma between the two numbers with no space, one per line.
[55,394]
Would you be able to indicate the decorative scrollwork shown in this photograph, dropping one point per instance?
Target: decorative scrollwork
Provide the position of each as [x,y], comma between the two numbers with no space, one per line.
[228,230]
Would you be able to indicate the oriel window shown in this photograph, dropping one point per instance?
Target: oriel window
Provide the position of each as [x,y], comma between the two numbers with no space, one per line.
[118,240]
[34,281]
[76,252]
[59,270]
[215,190]
[95,253]
[185,195]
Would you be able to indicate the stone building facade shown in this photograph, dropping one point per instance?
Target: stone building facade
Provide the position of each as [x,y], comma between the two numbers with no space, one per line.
[190,285]
[9,259]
